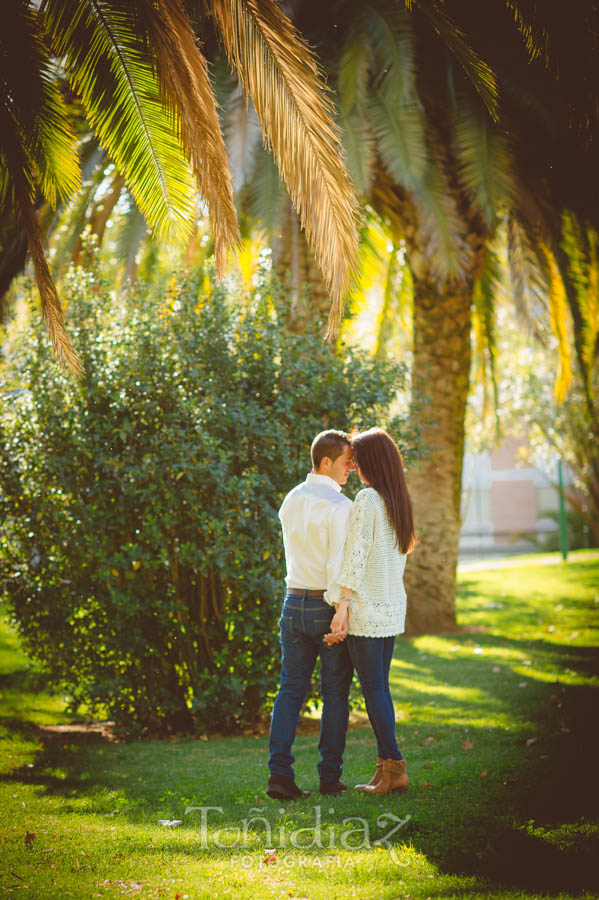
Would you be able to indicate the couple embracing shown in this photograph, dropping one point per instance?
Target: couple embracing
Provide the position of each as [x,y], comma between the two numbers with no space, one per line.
[345,601]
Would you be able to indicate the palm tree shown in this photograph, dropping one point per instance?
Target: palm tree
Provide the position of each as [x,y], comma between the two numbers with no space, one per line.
[430,148]
[144,87]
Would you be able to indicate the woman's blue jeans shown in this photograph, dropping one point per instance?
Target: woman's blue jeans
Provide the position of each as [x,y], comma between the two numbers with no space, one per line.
[371,657]
[304,622]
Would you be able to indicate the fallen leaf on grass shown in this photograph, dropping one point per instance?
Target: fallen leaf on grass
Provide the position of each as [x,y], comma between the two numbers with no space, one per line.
[29,838]
[483,774]
[426,784]
[467,744]
[271,857]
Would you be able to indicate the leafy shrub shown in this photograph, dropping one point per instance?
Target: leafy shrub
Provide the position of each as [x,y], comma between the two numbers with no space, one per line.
[142,556]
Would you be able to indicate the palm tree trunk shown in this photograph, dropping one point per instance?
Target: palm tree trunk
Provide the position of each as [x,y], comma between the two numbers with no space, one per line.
[440,381]
[294,260]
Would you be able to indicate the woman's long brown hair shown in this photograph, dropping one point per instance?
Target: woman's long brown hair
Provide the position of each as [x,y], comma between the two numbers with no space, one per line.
[379,460]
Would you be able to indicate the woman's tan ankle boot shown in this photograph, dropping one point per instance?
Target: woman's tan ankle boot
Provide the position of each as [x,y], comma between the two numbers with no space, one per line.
[394,778]
[375,778]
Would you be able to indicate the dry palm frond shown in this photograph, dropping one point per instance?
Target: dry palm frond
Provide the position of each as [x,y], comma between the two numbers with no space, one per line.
[36,149]
[184,78]
[51,309]
[275,66]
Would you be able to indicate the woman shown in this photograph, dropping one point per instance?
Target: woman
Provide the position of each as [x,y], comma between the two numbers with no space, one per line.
[373,597]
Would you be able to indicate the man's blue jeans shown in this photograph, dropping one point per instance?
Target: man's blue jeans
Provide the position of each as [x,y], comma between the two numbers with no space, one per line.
[304,622]
[372,660]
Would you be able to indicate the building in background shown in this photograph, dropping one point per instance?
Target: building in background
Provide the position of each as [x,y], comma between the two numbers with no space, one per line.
[507,505]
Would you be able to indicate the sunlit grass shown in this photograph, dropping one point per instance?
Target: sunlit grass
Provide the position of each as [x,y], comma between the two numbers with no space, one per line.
[493,723]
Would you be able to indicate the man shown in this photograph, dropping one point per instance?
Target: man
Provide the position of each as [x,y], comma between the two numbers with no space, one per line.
[315,521]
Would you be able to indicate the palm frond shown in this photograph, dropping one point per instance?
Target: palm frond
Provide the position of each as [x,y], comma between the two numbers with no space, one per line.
[29,157]
[186,87]
[393,105]
[373,263]
[51,309]
[107,63]
[359,146]
[485,291]
[579,244]
[390,35]
[558,317]
[32,102]
[477,70]
[396,292]
[352,88]
[535,36]
[442,228]
[354,65]
[400,138]
[485,162]
[266,195]
[276,68]
[527,271]
[69,222]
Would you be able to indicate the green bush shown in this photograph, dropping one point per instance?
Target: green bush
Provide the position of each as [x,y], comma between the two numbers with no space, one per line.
[141,551]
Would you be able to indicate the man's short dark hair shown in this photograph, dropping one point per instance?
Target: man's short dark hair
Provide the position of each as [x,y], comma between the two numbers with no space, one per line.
[328,443]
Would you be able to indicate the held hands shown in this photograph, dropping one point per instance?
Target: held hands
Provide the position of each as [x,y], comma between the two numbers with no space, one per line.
[339,624]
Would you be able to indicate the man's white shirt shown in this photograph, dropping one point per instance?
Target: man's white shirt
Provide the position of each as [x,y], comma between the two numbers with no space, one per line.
[315,518]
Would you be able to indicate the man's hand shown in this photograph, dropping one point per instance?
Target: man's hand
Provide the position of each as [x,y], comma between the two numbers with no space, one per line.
[339,624]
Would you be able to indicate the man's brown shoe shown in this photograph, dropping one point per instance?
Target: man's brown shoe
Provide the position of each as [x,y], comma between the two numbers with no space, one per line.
[333,789]
[375,778]
[280,787]
[394,778]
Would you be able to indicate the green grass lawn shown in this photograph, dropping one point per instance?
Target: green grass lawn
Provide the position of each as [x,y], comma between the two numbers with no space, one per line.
[498,724]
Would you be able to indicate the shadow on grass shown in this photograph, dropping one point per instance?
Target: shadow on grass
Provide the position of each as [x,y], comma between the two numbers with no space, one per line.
[513,810]
[486,828]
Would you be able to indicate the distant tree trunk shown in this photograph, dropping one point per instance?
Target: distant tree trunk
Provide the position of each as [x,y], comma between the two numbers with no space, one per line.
[293,260]
[440,381]
[100,215]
